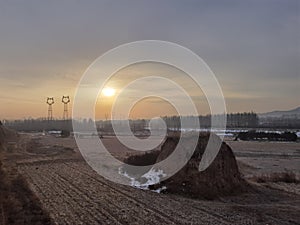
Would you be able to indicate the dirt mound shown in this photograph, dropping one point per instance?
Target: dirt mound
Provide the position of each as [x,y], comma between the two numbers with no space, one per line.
[18,204]
[6,135]
[2,135]
[221,178]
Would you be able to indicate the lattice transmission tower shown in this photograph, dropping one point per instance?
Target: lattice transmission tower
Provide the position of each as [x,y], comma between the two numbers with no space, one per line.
[50,102]
[66,100]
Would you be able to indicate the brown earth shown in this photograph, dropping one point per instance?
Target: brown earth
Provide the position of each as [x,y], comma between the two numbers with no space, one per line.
[221,178]
[73,193]
[18,204]
[6,135]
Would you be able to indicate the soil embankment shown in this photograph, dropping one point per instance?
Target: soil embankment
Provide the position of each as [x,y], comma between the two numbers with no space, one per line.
[221,178]
[18,204]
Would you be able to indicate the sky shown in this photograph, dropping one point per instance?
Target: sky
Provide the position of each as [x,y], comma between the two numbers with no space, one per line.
[252,46]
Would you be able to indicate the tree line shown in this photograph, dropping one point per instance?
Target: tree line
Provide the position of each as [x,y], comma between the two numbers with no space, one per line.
[234,120]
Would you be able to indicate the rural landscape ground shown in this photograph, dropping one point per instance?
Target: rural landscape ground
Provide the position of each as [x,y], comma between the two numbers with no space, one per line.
[70,192]
[79,75]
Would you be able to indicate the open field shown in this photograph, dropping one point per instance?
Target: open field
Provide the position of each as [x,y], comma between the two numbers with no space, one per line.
[74,194]
[268,157]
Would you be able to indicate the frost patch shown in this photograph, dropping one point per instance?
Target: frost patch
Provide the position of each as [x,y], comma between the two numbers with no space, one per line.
[151,177]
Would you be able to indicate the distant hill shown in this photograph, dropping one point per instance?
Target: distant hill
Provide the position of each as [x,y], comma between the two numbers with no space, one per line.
[294,113]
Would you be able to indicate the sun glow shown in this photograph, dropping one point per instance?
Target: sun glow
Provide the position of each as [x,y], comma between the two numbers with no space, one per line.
[108,92]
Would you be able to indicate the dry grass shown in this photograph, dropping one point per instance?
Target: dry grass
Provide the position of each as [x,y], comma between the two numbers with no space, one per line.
[18,204]
[285,177]
[145,159]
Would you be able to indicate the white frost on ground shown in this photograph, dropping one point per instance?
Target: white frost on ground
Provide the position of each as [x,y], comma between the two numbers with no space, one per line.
[160,189]
[152,177]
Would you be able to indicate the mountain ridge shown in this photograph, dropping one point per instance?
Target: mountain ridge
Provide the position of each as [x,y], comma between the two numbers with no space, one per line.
[282,113]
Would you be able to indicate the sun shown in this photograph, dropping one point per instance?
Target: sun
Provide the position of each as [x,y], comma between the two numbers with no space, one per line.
[108,92]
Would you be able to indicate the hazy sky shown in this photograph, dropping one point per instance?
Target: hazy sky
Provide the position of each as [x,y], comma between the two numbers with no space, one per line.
[253,47]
